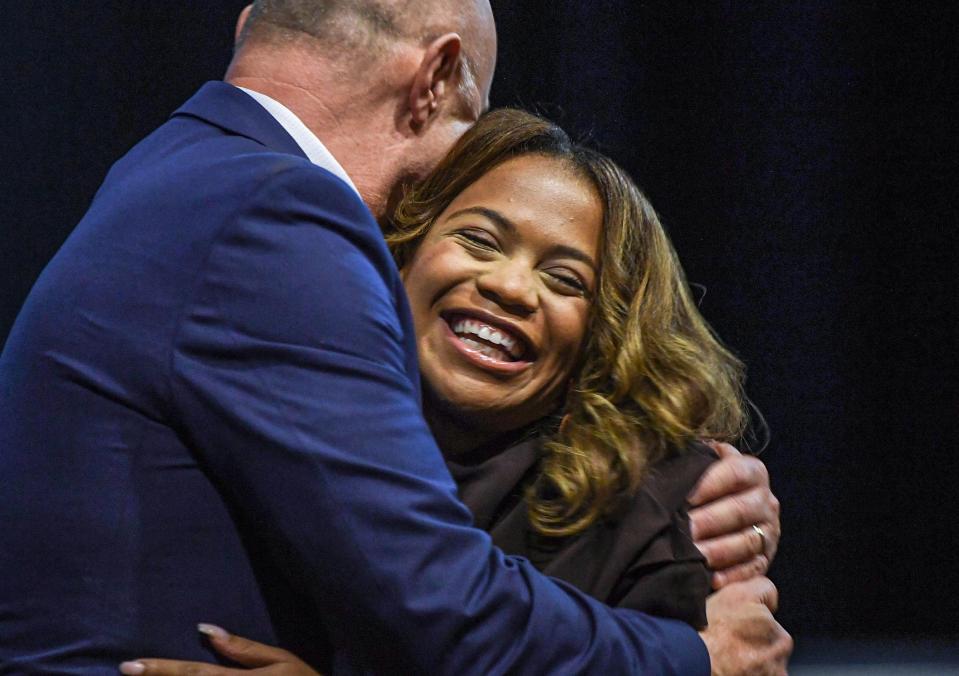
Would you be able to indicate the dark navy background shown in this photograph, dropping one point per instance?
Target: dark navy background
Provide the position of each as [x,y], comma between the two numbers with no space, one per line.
[803,156]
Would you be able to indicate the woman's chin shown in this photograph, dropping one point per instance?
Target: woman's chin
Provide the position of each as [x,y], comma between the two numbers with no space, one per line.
[491,412]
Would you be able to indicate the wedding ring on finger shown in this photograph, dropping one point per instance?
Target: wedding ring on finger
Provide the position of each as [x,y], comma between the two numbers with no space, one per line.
[762,538]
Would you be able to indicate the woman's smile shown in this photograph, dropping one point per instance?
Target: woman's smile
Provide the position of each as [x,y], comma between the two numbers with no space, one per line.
[488,343]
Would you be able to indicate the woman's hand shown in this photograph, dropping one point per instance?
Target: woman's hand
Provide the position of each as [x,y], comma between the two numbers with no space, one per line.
[735,517]
[261,659]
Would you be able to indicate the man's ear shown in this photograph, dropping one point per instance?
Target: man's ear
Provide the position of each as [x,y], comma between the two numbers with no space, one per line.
[241,22]
[434,78]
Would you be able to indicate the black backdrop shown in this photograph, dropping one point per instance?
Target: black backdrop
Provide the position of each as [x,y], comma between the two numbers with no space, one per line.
[803,157]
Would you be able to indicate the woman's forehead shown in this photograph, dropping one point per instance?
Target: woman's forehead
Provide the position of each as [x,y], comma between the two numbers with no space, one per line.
[537,191]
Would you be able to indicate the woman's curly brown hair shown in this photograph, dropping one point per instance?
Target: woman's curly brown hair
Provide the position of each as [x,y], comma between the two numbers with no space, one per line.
[652,377]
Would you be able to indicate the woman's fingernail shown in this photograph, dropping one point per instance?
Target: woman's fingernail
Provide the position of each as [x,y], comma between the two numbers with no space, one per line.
[133,668]
[213,631]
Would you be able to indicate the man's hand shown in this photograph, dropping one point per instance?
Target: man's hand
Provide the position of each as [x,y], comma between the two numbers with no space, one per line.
[742,636]
[735,517]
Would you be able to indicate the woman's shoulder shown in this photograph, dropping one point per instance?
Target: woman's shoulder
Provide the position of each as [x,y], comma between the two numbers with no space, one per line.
[672,478]
[666,574]
[653,522]
[641,558]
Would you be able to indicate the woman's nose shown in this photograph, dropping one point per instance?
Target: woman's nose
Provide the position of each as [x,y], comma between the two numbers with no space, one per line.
[512,286]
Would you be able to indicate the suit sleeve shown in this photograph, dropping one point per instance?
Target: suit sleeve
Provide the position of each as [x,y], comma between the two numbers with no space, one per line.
[289,381]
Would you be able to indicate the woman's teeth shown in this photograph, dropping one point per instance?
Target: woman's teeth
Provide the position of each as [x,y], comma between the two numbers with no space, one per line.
[485,350]
[510,351]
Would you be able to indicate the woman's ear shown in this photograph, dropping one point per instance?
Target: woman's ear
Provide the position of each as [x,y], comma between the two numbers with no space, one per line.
[435,78]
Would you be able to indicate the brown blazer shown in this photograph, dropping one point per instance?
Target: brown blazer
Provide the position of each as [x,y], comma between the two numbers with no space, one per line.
[643,559]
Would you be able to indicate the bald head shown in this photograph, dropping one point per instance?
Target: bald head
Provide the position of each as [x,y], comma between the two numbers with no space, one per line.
[367,28]
[349,23]
[387,85]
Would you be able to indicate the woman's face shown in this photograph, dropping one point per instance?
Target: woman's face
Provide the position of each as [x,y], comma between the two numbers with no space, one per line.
[500,291]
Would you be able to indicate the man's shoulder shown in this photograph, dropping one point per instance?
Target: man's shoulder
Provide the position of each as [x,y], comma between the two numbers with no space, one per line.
[223,137]
[188,147]
[191,166]
[287,178]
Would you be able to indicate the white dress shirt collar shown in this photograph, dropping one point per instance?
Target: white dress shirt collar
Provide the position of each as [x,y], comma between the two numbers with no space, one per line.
[311,146]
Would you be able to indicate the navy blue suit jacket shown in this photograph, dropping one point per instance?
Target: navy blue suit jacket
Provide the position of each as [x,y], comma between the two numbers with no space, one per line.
[209,412]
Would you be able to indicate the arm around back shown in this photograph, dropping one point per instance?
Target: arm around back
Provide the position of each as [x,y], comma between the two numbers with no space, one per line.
[293,382]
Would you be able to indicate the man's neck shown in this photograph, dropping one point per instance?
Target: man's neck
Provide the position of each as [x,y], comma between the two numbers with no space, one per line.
[348,123]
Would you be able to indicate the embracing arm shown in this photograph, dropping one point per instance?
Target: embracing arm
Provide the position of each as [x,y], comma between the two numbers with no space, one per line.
[289,379]
[742,637]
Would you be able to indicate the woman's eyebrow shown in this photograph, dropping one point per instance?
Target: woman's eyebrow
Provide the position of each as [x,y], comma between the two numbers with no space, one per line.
[510,227]
[491,214]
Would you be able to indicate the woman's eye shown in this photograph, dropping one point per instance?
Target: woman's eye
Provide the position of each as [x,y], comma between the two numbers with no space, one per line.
[477,239]
[568,281]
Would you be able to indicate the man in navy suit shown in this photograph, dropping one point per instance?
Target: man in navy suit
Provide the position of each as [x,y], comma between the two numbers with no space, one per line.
[209,402]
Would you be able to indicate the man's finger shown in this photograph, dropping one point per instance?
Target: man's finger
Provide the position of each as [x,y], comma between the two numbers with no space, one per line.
[154,667]
[761,590]
[730,474]
[723,449]
[785,646]
[243,650]
[758,565]
[779,646]
[727,551]
[735,513]
[756,590]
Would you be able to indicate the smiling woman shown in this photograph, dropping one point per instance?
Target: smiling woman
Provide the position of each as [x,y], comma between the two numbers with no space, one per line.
[523,232]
